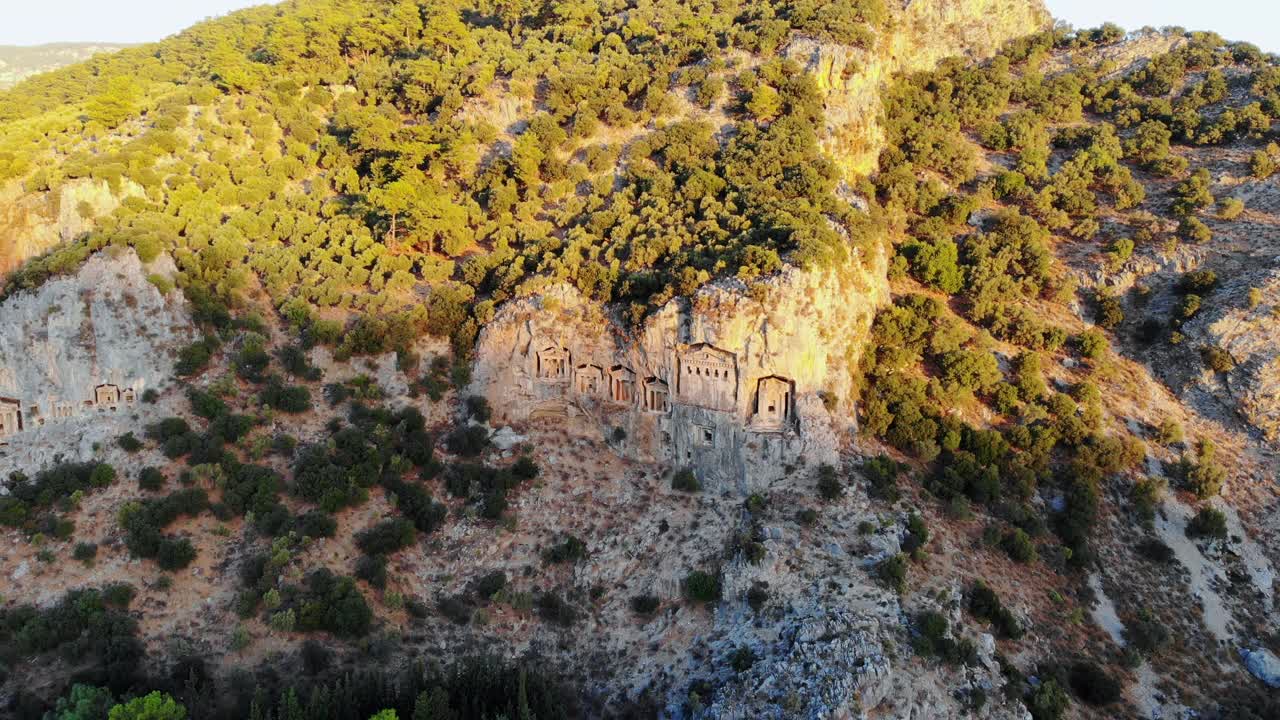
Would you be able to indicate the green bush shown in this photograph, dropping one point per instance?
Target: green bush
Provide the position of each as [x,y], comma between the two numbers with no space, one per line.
[742,658]
[85,552]
[1094,684]
[702,587]
[829,486]
[1209,523]
[1217,359]
[645,604]
[685,481]
[893,572]
[372,569]
[151,479]
[489,584]
[129,443]
[985,604]
[386,537]
[1019,546]
[1048,701]
[1205,476]
[569,550]
[286,398]
[1145,633]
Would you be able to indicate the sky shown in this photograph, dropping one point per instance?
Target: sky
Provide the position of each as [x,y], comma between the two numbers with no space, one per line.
[32,22]
[35,22]
[1255,21]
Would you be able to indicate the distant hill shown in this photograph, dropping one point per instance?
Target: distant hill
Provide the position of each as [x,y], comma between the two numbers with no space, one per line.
[18,62]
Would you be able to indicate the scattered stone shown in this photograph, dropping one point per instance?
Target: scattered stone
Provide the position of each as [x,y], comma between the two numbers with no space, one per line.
[1263,664]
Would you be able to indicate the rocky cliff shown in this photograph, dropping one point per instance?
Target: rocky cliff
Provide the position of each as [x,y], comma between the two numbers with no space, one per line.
[77,356]
[923,32]
[33,223]
[734,383]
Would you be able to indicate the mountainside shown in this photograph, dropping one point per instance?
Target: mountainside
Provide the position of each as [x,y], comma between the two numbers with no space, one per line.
[19,62]
[648,358]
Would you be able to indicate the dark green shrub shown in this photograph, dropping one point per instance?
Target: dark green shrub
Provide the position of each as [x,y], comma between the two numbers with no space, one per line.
[129,443]
[330,603]
[1019,546]
[286,398]
[553,608]
[151,479]
[194,358]
[174,554]
[85,552]
[372,569]
[702,587]
[829,486]
[917,534]
[488,585]
[468,441]
[477,408]
[1208,523]
[882,473]
[1048,701]
[1155,550]
[524,468]
[685,481]
[571,549]
[455,608]
[893,572]
[986,605]
[742,658]
[1145,633]
[645,604]
[385,538]
[1093,684]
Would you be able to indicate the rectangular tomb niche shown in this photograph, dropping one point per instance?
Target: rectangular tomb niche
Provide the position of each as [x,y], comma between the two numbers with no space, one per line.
[707,377]
[553,364]
[704,435]
[588,380]
[129,396]
[656,396]
[107,396]
[10,417]
[774,403]
[622,384]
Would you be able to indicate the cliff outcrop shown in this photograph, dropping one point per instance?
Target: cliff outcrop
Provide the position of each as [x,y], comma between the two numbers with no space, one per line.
[735,383]
[34,223]
[922,33]
[79,353]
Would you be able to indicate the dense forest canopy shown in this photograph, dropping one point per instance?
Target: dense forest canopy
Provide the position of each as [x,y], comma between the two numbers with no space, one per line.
[989,171]
[356,156]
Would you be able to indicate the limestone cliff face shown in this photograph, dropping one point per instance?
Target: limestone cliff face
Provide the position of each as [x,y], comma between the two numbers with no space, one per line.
[734,384]
[1252,337]
[33,223]
[77,355]
[923,32]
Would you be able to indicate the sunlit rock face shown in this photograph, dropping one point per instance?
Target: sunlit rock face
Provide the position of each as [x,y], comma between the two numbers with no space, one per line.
[922,33]
[734,383]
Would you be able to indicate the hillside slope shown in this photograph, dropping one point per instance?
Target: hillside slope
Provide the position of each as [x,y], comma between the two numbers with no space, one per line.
[647,359]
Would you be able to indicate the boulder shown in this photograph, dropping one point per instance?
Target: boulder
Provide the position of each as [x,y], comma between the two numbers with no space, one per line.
[1263,664]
